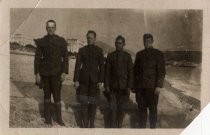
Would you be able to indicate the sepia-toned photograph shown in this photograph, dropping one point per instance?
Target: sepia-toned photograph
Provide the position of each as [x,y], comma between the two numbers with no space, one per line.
[105,68]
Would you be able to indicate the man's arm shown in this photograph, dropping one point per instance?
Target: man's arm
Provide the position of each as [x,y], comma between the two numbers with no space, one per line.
[37,58]
[77,66]
[136,71]
[101,67]
[130,73]
[65,58]
[65,63]
[107,73]
[161,71]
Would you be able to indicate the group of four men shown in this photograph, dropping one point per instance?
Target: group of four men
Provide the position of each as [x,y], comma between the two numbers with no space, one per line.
[117,74]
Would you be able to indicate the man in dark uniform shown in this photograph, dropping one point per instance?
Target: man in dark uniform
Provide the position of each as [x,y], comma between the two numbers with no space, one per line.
[50,66]
[149,73]
[118,81]
[88,78]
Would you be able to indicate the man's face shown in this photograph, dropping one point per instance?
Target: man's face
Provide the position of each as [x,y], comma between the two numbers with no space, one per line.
[91,39]
[148,42]
[119,44]
[51,27]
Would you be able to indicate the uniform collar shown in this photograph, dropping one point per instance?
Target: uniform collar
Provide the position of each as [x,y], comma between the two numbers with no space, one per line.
[50,36]
[91,45]
[119,51]
[148,49]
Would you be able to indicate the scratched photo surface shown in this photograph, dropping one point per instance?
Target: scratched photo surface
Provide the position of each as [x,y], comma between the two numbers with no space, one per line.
[177,33]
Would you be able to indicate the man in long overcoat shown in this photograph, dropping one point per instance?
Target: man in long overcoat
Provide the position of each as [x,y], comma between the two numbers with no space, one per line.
[118,81]
[51,63]
[149,73]
[88,78]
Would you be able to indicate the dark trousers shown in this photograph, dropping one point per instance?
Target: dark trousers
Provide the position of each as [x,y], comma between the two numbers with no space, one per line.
[146,98]
[87,96]
[52,86]
[118,101]
[88,112]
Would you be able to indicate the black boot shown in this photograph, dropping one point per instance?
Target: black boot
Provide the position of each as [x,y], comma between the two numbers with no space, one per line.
[92,113]
[120,117]
[113,119]
[153,117]
[142,117]
[84,116]
[58,114]
[47,113]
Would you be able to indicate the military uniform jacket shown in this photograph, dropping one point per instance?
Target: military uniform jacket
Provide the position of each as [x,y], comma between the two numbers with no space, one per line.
[51,57]
[149,69]
[119,70]
[89,65]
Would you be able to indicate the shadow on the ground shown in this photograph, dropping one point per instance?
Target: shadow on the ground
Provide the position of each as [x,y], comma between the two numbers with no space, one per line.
[130,109]
[173,121]
[30,90]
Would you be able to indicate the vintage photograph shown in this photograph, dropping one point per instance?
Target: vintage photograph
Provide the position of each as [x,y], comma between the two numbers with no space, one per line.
[104,68]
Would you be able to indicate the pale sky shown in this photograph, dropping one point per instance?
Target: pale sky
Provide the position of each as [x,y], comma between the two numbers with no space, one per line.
[172,29]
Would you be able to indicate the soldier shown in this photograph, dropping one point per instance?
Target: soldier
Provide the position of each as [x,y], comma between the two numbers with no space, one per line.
[118,81]
[50,66]
[88,78]
[149,73]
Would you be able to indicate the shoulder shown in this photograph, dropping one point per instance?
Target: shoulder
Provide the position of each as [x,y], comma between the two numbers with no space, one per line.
[158,52]
[40,41]
[111,54]
[59,38]
[140,52]
[82,48]
[98,48]
[126,54]
[42,38]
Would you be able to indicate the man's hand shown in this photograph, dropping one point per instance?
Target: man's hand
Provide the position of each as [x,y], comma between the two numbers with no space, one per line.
[63,77]
[38,79]
[76,85]
[157,90]
[100,86]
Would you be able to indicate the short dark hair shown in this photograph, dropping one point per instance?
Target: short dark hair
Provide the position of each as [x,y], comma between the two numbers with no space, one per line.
[53,21]
[120,37]
[147,35]
[91,32]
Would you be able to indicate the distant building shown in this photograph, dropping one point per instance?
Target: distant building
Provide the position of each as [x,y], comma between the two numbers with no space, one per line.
[74,45]
[16,38]
[22,40]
